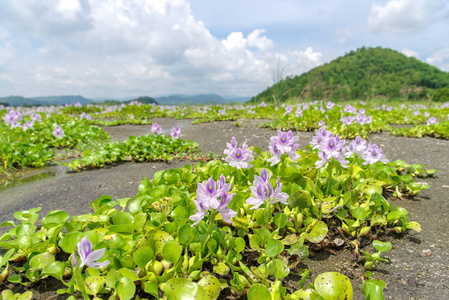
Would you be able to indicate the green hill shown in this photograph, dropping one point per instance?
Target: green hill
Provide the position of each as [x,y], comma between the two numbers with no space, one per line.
[363,74]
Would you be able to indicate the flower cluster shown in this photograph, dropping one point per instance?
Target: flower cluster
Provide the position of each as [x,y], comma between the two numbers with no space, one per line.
[329,146]
[156,129]
[262,191]
[213,195]
[175,132]
[431,120]
[58,132]
[370,153]
[282,143]
[238,157]
[13,118]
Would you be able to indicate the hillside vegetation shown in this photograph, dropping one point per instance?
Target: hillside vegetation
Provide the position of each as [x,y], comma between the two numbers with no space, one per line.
[362,74]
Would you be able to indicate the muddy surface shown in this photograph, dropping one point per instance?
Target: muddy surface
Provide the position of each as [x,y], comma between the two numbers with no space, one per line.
[419,262]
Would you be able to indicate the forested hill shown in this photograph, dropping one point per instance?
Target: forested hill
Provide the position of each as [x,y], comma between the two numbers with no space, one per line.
[363,74]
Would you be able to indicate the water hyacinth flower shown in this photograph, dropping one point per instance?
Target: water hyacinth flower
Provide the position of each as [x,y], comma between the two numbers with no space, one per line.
[262,191]
[373,154]
[238,157]
[213,195]
[156,129]
[88,257]
[284,142]
[356,146]
[58,132]
[175,132]
[27,125]
[329,146]
[431,121]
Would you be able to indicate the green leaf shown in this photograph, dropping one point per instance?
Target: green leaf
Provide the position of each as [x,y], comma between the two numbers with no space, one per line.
[373,289]
[221,269]
[55,269]
[239,244]
[183,289]
[69,241]
[318,232]
[95,283]
[142,256]
[211,286]
[359,213]
[381,246]
[55,217]
[301,250]
[274,248]
[300,199]
[172,252]
[258,292]
[187,234]
[281,270]
[151,288]
[125,288]
[280,219]
[333,286]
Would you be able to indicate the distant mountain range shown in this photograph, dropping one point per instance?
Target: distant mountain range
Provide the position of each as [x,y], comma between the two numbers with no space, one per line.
[166,100]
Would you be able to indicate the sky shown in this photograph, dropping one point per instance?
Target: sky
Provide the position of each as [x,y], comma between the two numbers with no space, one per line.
[130,48]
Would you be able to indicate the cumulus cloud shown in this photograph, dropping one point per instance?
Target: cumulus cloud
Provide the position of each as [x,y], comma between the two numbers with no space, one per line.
[410,53]
[118,48]
[440,59]
[405,16]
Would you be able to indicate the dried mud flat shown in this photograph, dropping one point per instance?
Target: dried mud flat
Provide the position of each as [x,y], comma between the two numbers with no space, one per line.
[419,262]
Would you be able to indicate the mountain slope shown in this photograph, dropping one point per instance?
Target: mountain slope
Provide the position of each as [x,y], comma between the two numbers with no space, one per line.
[363,74]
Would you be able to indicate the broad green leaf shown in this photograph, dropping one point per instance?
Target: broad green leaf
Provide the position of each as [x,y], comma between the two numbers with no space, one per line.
[221,269]
[274,248]
[187,234]
[55,217]
[373,289]
[125,288]
[258,292]
[381,246]
[95,283]
[172,252]
[142,256]
[211,286]
[301,250]
[333,286]
[55,269]
[280,219]
[183,289]
[318,232]
[281,270]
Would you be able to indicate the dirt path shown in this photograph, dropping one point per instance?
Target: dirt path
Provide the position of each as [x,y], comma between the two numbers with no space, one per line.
[419,264]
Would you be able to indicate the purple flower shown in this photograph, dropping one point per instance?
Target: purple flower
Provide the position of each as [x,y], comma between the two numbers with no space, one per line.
[223,209]
[35,117]
[199,215]
[213,195]
[175,132]
[262,191]
[373,154]
[431,121]
[58,132]
[328,148]
[276,154]
[231,146]
[321,123]
[156,128]
[88,257]
[284,142]
[27,125]
[239,157]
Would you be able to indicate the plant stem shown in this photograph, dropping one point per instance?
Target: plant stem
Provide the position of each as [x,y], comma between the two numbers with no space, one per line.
[210,227]
[329,176]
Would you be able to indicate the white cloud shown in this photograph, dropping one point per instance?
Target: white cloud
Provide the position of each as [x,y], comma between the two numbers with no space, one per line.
[117,48]
[260,42]
[440,59]
[410,53]
[405,16]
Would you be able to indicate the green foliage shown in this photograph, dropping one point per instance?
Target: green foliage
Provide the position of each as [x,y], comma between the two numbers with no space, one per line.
[441,95]
[366,73]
